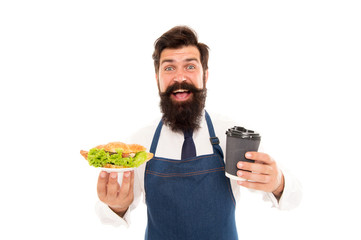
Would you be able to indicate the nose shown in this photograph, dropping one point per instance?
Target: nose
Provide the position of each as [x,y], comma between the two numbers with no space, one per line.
[179,76]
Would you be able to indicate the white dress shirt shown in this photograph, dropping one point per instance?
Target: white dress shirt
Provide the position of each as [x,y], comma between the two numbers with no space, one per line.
[170,145]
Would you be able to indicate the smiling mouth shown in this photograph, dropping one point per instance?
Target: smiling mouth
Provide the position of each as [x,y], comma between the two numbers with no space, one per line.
[181,94]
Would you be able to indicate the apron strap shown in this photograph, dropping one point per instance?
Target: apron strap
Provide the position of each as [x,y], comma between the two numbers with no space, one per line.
[154,145]
[214,140]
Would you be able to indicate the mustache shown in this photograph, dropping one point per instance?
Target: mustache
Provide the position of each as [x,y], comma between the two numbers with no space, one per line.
[183,85]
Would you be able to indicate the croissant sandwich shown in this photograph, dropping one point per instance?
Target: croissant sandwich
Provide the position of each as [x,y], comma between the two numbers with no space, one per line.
[117,155]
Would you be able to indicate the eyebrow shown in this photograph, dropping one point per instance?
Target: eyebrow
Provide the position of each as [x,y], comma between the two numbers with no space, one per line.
[186,60]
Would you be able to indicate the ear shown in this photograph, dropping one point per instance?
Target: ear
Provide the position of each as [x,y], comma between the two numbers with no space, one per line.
[156,79]
[206,76]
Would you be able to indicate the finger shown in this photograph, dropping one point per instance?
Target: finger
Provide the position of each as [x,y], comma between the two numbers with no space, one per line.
[113,186]
[255,177]
[102,185]
[255,167]
[131,188]
[124,189]
[254,185]
[130,195]
[259,156]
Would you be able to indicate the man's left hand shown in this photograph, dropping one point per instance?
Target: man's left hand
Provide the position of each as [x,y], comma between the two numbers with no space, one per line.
[262,175]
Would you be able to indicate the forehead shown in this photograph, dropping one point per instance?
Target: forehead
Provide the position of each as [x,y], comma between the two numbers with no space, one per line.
[180,54]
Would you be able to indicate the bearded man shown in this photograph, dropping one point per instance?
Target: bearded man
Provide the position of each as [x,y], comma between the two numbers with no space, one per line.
[186,191]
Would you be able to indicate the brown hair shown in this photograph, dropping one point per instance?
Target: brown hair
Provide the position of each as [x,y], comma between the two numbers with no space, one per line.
[178,37]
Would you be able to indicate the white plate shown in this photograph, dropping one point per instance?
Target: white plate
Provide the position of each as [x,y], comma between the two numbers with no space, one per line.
[118,170]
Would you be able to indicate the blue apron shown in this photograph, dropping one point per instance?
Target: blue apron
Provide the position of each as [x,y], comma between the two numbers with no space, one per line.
[189,199]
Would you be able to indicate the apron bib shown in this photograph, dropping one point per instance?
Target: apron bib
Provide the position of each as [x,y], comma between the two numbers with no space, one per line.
[189,199]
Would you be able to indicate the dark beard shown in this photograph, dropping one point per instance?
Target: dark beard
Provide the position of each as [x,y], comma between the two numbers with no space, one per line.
[182,116]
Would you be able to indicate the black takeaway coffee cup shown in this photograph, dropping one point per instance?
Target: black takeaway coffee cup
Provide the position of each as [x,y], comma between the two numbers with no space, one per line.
[239,141]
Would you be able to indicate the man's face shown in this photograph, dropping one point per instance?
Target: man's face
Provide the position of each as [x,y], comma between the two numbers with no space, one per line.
[180,65]
[182,88]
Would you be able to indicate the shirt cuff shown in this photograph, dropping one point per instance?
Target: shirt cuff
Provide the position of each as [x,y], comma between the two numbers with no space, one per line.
[108,217]
[291,196]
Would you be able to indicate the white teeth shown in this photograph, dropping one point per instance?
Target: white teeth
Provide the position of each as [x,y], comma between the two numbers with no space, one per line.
[180,90]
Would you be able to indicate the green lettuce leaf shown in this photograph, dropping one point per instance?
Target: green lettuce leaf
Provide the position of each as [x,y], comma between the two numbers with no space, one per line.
[99,158]
[139,158]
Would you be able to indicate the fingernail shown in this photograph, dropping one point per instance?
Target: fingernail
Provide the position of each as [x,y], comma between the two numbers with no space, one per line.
[239,165]
[248,155]
[103,174]
[126,174]
[113,175]
[239,173]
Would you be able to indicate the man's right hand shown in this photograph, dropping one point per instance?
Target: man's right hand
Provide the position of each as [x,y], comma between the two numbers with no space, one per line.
[117,197]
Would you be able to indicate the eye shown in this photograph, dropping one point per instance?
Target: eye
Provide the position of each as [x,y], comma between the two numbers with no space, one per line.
[169,68]
[191,67]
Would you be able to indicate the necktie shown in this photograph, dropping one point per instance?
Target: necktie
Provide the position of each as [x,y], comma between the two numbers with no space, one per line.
[188,149]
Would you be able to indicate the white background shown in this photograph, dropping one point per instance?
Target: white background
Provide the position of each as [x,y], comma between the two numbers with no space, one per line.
[75,74]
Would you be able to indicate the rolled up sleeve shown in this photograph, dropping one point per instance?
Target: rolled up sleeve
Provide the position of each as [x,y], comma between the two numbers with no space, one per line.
[291,196]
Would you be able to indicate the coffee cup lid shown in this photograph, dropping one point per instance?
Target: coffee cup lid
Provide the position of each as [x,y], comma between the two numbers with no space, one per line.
[242,132]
